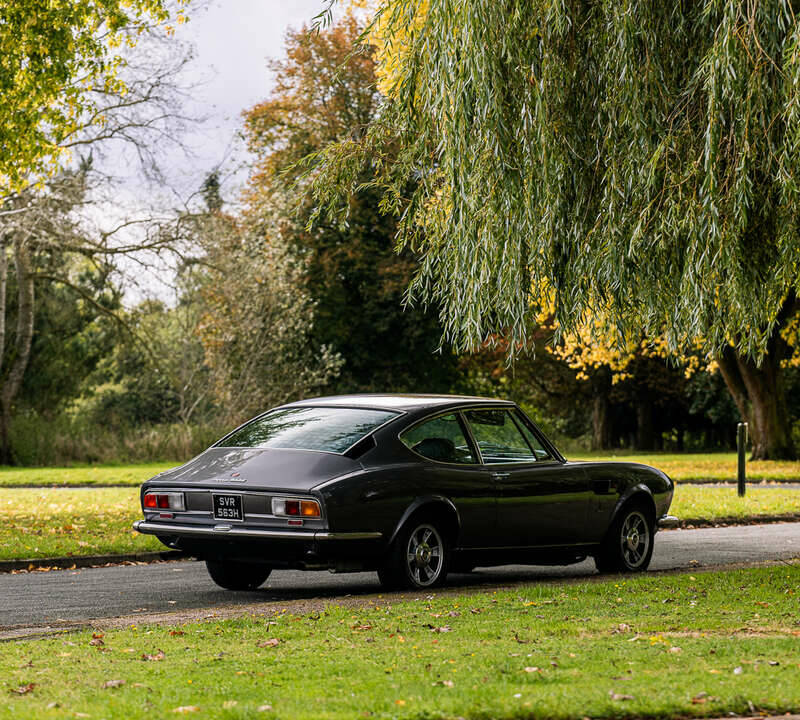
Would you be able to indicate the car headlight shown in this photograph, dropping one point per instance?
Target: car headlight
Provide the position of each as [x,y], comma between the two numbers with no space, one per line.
[295,507]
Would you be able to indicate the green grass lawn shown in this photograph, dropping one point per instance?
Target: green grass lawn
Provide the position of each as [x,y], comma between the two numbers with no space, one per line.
[700,502]
[704,467]
[54,522]
[707,644]
[132,475]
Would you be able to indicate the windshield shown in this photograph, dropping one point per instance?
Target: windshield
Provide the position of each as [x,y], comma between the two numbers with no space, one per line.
[308,428]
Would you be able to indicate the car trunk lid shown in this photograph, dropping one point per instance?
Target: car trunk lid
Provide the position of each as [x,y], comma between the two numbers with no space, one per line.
[258,469]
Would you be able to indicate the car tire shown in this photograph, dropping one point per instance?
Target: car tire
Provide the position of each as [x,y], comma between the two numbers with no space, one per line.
[419,557]
[628,545]
[233,575]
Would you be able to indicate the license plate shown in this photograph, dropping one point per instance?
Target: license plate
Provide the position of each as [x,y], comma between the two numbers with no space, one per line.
[228,507]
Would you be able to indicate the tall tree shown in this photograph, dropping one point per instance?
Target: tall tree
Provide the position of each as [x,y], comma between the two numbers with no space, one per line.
[641,158]
[59,63]
[256,331]
[323,94]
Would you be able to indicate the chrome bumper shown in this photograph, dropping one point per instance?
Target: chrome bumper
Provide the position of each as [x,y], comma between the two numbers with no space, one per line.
[225,530]
[667,522]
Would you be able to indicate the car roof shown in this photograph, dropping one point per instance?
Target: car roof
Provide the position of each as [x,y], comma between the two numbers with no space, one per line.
[391,401]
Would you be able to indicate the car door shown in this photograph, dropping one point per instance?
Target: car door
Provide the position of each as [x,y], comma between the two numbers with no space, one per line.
[541,501]
[456,473]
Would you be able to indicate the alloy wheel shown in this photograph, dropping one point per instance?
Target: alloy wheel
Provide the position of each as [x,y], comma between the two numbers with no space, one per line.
[635,539]
[425,555]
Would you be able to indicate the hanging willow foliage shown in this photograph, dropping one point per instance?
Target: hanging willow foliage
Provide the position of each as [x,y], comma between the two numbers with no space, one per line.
[636,158]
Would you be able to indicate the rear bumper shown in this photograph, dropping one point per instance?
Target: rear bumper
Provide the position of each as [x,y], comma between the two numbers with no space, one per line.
[223,530]
[289,548]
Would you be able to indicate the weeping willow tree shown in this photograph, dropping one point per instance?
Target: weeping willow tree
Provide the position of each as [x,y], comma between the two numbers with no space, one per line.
[633,159]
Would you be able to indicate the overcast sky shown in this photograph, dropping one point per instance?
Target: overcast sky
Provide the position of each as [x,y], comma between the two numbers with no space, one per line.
[233,40]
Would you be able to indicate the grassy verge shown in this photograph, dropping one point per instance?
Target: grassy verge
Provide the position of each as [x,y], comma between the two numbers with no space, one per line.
[666,646]
[132,475]
[705,467]
[54,522]
[695,467]
[714,504]
[58,522]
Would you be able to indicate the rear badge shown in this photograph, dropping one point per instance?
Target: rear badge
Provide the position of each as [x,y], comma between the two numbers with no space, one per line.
[234,477]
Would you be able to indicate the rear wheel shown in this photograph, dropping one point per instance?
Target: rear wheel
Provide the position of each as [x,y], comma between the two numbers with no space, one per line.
[628,547]
[418,558]
[233,575]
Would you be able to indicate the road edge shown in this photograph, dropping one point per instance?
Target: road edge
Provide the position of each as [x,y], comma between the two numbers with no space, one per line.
[71,562]
[87,561]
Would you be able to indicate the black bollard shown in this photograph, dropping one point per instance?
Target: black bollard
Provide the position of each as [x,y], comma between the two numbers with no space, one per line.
[741,448]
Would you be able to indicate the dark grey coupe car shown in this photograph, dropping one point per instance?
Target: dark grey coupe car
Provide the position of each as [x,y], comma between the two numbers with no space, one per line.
[412,486]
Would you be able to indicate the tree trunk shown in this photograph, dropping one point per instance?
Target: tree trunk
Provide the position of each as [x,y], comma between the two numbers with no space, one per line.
[22,348]
[601,411]
[760,396]
[645,432]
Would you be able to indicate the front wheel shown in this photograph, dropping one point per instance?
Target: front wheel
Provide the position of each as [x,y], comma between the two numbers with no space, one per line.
[628,547]
[233,575]
[418,558]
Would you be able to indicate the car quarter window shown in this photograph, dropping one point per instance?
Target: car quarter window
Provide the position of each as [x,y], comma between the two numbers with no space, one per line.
[536,444]
[441,439]
[498,436]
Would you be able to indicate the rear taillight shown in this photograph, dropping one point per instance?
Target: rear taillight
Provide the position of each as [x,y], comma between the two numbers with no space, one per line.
[295,507]
[163,501]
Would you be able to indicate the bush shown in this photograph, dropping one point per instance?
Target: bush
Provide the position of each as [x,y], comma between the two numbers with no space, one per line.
[60,441]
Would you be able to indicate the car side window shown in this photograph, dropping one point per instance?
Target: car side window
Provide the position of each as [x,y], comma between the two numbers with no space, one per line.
[498,437]
[533,441]
[440,439]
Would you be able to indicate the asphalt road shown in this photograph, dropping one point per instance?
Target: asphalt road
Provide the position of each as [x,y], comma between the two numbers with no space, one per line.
[77,595]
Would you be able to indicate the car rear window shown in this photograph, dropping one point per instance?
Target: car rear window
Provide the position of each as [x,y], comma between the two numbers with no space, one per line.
[309,428]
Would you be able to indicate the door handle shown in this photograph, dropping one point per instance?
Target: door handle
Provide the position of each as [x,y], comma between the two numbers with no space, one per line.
[500,475]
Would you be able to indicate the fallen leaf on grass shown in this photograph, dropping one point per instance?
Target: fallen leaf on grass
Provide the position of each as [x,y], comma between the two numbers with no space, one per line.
[400,702]
[442,629]
[272,642]
[186,709]
[23,689]
[175,633]
[533,670]
[264,708]
[703,697]
[618,697]
[97,639]
[362,627]
[153,658]
[228,704]
[675,650]
[520,640]
[443,683]
[112,684]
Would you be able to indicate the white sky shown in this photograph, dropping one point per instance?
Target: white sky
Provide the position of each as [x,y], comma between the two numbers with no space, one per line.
[233,40]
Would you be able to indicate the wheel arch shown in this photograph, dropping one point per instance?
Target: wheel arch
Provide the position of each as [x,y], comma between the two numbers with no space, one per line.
[439,504]
[636,494]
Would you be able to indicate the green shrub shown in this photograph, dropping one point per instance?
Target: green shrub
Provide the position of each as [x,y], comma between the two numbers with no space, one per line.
[40,441]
